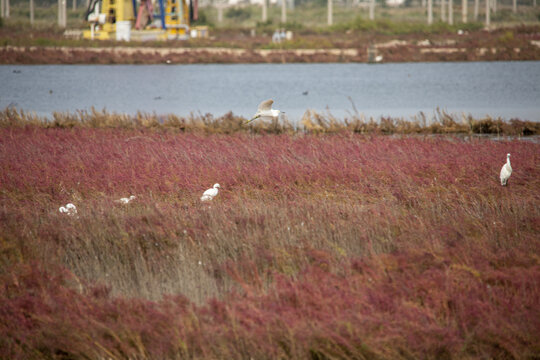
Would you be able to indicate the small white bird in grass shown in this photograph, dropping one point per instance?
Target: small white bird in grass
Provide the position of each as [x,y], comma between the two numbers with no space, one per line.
[506,171]
[69,209]
[210,193]
[126,200]
[265,111]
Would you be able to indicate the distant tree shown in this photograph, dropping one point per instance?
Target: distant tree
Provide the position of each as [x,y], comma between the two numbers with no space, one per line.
[202,19]
[238,13]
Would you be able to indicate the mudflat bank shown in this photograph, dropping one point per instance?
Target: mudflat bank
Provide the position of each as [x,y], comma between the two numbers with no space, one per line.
[149,55]
[518,43]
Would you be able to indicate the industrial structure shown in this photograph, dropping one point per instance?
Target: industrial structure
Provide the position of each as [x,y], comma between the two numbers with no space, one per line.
[142,20]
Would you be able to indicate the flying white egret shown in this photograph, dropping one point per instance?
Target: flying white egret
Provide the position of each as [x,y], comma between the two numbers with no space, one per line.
[210,193]
[69,209]
[126,200]
[265,111]
[506,171]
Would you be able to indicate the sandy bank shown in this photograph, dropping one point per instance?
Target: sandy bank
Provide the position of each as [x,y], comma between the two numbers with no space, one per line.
[395,52]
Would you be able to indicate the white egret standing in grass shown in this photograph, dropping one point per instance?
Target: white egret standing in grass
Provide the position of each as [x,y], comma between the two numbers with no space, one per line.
[126,200]
[210,193]
[69,209]
[265,111]
[506,171]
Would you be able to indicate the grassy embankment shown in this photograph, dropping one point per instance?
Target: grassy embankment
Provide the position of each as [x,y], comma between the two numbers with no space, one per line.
[512,37]
[336,245]
[48,47]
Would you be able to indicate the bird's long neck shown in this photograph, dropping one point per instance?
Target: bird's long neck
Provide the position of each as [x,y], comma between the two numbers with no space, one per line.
[508,160]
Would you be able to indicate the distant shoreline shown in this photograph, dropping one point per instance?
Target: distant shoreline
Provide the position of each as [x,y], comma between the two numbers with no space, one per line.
[390,52]
[521,43]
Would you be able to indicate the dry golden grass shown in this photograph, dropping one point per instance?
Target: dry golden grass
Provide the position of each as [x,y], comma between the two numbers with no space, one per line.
[311,123]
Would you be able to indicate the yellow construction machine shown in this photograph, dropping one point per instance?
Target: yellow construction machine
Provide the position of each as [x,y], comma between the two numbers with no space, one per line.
[142,20]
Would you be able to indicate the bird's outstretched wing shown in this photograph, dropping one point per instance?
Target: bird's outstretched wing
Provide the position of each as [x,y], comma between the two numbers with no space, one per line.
[266,105]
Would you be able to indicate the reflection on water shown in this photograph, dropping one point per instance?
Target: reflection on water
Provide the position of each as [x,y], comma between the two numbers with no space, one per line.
[506,89]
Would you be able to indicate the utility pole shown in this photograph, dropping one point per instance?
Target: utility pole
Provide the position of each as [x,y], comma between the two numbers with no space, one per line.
[430,12]
[372,10]
[283,11]
[6,11]
[451,12]
[330,13]
[62,18]
[464,9]
[488,20]
[514,6]
[476,9]
[264,11]
[74,5]
[443,11]
[31,12]
[220,13]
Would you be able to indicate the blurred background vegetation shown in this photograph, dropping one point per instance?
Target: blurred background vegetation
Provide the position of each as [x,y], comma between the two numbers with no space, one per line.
[304,16]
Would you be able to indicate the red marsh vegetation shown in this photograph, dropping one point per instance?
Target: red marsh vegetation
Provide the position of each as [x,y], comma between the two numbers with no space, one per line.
[317,246]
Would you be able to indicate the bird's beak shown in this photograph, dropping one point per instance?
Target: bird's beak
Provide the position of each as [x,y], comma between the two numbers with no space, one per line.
[247,122]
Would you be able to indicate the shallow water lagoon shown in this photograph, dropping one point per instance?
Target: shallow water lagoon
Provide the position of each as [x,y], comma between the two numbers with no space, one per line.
[498,89]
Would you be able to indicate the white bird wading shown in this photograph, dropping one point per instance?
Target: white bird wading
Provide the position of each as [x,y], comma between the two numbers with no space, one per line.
[210,193]
[506,171]
[69,209]
[125,200]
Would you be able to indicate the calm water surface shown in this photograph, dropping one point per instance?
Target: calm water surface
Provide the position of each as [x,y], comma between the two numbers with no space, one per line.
[506,89]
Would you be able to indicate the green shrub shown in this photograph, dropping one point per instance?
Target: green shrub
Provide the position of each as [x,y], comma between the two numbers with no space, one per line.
[389,27]
[202,19]
[238,13]
[507,37]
